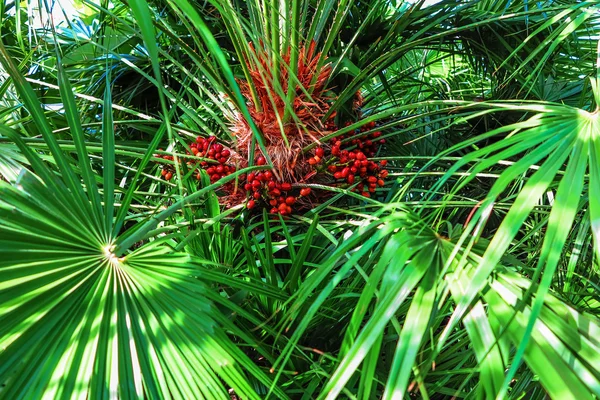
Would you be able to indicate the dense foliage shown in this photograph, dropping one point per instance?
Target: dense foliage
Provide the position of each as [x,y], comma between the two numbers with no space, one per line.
[300,199]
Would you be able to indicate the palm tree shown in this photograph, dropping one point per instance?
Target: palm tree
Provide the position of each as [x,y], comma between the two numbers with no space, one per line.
[468,271]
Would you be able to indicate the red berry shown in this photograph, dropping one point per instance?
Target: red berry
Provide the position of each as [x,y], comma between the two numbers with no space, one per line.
[273,202]
[320,152]
[290,200]
[383,163]
[256,195]
[380,182]
[199,139]
[286,186]
[268,175]
[345,172]
[366,194]
[163,172]
[251,204]
[304,191]
[372,179]
[276,192]
[338,175]
[332,168]
[312,161]
[247,186]
[168,176]
[271,185]
[251,177]
[350,179]
[273,210]
[383,173]
[261,160]
[225,153]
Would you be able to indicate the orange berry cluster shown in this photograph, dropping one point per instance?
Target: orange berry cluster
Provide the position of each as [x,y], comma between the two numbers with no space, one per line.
[209,149]
[351,165]
[264,190]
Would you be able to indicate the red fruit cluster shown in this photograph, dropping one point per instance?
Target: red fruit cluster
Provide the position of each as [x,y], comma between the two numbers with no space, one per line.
[265,190]
[348,162]
[209,149]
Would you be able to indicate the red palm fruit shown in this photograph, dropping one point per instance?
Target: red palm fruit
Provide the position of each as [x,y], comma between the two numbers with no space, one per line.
[198,176]
[304,191]
[222,160]
[368,142]
[366,194]
[163,172]
[210,170]
[332,168]
[247,186]
[168,176]
[335,150]
[312,161]
[261,177]
[380,182]
[276,192]
[273,210]
[383,163]
[286,186]
[261,160]
[225,153]
[251,204]
[271,185]
[282,207]
[273,202]
[345,172]
[268,175]
[372,189]
[317,159]
[371,125]
[281,199]
[360,156]
[251,177]
[352,155]
[384,173]
[382,141]
[360,187]
[372,179]
[376,134]
[338,143]
[199,139]
[256,195]
[255,184]
[320,152]
[350,179]
[290,200]
[194,150]
[211,153]
[338,175]
[215,177]
[353,170]
[343,160]
[288,209]
[218,147]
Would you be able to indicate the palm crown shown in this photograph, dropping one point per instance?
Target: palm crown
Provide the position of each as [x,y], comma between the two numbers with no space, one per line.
[460,263]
